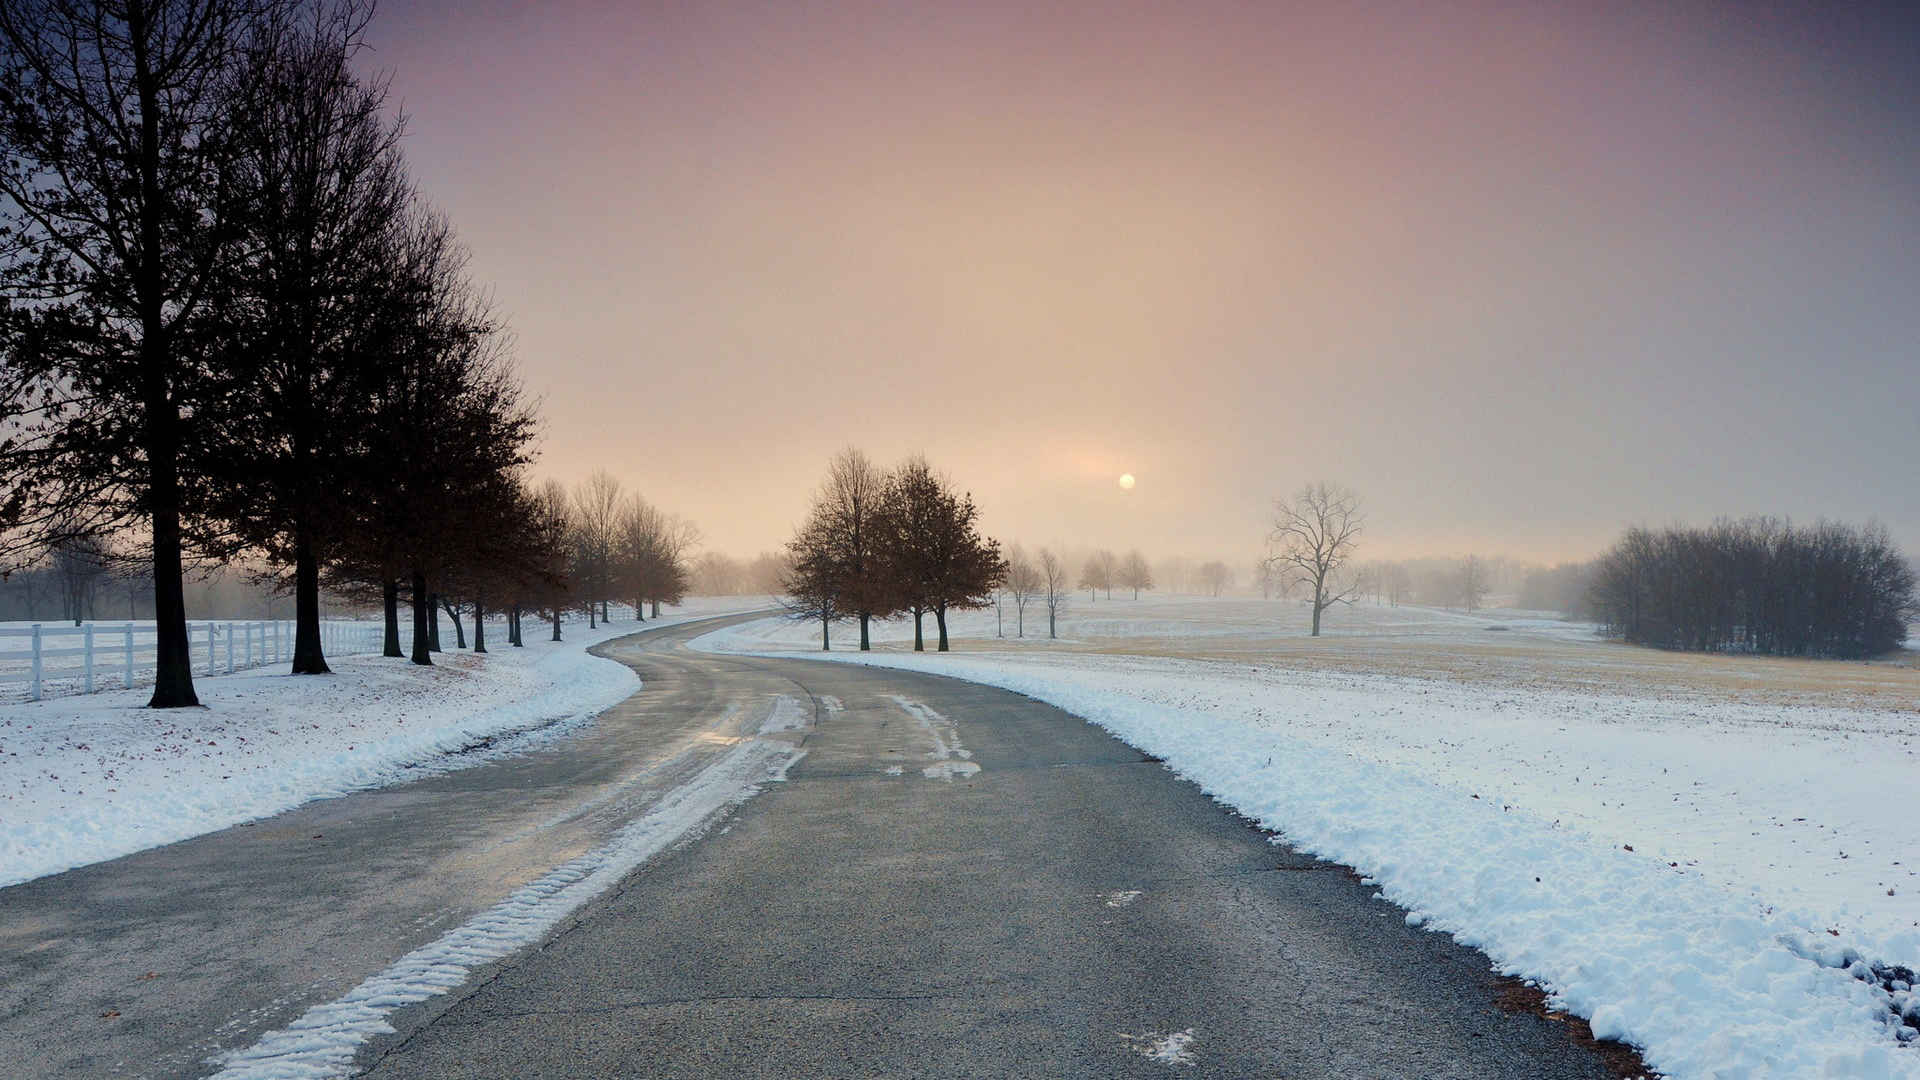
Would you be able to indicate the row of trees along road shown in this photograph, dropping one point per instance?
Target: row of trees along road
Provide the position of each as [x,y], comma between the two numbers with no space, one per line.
[624,548]
[877,544]
[232,326]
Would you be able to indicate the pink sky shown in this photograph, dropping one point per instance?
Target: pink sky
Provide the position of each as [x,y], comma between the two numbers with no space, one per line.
[1520,274]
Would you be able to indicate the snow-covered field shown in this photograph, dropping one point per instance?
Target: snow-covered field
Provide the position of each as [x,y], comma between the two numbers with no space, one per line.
[1713,858]
[88,778]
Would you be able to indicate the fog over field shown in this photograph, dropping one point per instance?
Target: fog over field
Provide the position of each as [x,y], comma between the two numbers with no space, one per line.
[749,538]
[1520,274]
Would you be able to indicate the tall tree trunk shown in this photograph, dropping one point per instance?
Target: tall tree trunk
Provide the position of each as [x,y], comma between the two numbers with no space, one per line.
[479,625]
[825,644]
[640,610]
[1050,630]
[656,609]
[173,652]
[1020,621]
[422,607]
[556,624]
[433,623]
[866,644]
[309,657]
[513,626]
[593,621]
[390,609]
[453,616]
[940,619]
[605,616]
[919,639]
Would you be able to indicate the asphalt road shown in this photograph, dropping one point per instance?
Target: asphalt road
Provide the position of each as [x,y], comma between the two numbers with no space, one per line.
[954,881]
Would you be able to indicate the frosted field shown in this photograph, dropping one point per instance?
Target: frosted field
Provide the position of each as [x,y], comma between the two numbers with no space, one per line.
[87,778]
[1689,851]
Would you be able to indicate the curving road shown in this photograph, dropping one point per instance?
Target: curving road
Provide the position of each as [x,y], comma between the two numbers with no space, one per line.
[953,881]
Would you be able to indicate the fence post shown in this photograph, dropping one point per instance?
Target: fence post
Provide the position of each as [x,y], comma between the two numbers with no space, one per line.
[213,658]
[89,647]
[229,648]
[129,671]
[36,662]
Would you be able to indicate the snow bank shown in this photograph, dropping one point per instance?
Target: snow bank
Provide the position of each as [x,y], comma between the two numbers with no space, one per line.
[1729,887]
[84,779]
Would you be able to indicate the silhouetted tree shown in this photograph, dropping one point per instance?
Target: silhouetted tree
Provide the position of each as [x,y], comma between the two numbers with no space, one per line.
[911,507]
[964,566]
[115,202]
[319,190]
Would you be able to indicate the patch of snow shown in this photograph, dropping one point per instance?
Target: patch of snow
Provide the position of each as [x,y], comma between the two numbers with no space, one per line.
[947,770]
[89,778]
[895,770]
[787,714]
[946,742]
[1175,1048]
[1121,898]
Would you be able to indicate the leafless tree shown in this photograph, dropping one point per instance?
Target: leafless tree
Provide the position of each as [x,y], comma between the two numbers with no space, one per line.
[597,510]
[1473,582]
[1024,582]
[1314,535]
[1215,575]
[80,563]
[1134,573]
[1053,589]
[1099,573]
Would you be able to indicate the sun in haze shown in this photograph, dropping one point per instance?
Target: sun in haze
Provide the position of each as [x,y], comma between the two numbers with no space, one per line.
[1126,481]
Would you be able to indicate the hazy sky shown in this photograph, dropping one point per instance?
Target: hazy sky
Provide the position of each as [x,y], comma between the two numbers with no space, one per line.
[1521,274]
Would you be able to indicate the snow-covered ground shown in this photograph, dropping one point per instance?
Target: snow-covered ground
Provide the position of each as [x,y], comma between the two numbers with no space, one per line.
[88,778]
[1713,858]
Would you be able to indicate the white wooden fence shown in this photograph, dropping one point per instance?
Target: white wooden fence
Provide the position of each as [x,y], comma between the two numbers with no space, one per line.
[101,656]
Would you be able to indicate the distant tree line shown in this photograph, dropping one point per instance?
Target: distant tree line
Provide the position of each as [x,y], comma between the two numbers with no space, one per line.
[232,330]
[877,544]
[717,574]
[1757,585]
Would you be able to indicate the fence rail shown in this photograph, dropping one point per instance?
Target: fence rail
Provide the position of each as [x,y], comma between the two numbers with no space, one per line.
[46,659]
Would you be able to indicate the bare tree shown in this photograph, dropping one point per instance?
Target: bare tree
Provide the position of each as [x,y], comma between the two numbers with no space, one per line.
[80,563]
[1215,575]
[816,571]
[1099,573]
[597,510]
[1024,582]
[1053,585]
[1134,573]
[850,504]
[1473,582]
[1314,535]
